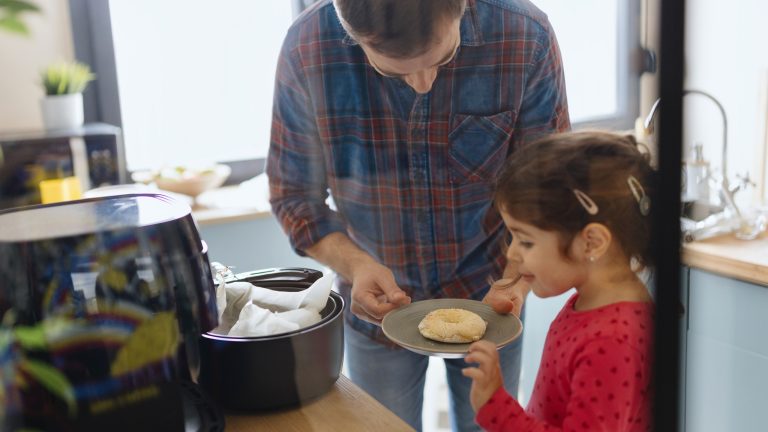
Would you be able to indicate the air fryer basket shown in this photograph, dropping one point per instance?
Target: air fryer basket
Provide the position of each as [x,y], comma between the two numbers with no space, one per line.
[270,372]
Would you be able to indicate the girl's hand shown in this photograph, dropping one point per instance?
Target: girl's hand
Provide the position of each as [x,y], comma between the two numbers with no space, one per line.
[507,295]
[486,377]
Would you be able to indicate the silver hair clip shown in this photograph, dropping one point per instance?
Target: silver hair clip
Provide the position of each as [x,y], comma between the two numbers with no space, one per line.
[643,200]
[586,202]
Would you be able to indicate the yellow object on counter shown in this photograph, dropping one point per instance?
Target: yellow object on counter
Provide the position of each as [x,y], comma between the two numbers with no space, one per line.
[57,190]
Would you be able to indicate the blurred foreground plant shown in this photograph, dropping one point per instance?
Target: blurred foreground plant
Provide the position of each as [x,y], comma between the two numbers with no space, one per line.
[10,15]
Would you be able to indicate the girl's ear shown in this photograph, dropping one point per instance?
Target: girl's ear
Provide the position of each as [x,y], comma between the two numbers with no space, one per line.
[596,239]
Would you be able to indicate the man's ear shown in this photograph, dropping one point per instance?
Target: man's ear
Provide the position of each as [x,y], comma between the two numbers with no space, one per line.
[596,239]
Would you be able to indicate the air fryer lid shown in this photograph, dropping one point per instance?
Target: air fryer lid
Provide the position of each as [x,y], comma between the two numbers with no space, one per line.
[74,218]
[111,287]
[139,245]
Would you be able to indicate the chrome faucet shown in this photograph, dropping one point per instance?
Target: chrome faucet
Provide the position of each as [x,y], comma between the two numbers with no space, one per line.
[720,222]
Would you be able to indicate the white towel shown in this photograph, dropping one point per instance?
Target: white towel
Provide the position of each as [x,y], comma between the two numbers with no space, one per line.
[249,310]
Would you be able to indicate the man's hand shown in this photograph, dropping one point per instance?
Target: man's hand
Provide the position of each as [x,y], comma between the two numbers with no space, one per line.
[486,377]
[375,293]
[374,290]
[505,297]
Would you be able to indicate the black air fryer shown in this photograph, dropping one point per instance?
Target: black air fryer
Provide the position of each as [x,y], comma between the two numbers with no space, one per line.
[102,302]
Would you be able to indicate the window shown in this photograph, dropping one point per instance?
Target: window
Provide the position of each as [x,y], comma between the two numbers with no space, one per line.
[599,41]
[196,81]
[194,78]
[591,57]
[190,82]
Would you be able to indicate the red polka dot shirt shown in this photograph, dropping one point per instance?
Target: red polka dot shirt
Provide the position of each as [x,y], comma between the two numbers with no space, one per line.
[594,375]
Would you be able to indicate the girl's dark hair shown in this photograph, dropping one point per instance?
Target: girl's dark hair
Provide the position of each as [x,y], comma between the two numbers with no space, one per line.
[397,28]
[537,187]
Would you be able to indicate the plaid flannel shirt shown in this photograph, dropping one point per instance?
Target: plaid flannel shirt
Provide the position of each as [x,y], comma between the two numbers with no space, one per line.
[411,175]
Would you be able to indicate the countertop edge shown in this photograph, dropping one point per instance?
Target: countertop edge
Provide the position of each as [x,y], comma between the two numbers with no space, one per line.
[216,216]
[725,255]
[726,267]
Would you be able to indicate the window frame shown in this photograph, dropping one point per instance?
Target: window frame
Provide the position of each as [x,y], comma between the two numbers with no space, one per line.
[94,45]
[631,58]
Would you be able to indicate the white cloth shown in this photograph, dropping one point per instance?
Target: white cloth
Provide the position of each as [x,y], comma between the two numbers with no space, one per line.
[220,272]
[249,310]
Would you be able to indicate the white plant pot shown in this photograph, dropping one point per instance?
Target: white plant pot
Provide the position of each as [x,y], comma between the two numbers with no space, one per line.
[63,111]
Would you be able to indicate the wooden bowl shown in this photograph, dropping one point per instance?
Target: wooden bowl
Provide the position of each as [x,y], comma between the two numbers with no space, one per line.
[193,182]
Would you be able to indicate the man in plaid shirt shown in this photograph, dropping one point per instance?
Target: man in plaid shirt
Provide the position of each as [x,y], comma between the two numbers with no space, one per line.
[391,119]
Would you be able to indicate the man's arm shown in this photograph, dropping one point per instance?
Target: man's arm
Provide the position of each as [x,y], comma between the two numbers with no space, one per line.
[298,186]
[374,290]
[338,252]
[299,189]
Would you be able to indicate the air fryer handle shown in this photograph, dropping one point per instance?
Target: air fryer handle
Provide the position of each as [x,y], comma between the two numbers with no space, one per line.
[278,276]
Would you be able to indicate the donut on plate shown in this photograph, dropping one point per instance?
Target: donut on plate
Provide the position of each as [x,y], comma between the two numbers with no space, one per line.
[452,326]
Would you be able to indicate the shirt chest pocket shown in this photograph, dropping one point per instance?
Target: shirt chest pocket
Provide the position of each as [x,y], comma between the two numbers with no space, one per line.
[478,146]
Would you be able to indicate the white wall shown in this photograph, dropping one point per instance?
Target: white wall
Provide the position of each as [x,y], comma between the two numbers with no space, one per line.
[22,59]
[726,56]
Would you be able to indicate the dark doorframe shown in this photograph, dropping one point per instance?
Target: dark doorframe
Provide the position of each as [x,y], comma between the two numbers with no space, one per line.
[92,37]
[666,242]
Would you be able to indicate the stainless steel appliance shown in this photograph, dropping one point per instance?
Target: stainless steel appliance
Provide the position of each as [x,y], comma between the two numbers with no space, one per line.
[94,154]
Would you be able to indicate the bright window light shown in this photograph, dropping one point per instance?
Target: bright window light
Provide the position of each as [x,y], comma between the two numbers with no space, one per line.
[587,31]
[196,78]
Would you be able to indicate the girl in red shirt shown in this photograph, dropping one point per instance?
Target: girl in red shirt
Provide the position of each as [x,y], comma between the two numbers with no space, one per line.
[577,207]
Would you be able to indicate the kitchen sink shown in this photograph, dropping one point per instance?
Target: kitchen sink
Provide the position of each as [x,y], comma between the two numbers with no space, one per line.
[697,211]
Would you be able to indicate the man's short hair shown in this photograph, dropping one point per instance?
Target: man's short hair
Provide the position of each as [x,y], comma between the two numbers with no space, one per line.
[397,28]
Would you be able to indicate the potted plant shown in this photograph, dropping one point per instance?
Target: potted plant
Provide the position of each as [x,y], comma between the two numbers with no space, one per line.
[64,84]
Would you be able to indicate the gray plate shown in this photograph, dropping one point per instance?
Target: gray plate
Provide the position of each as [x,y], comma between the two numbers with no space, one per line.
[402,327]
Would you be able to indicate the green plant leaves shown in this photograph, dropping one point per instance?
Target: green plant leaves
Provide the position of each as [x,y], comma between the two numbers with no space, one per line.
[66,78]
[13,25]
[15,6]
[9,15]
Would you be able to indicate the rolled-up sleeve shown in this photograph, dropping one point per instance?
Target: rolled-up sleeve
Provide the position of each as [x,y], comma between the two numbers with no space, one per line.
[295,163]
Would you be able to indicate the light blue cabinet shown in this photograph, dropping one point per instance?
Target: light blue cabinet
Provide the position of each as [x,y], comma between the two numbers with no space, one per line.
[252,245]
[726,355]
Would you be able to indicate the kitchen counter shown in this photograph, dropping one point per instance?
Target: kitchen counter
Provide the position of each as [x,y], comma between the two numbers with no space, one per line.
[232,204]
[726,255]
[345,408]
[214,216]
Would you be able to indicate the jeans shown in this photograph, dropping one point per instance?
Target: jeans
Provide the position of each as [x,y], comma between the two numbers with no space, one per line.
[395,377]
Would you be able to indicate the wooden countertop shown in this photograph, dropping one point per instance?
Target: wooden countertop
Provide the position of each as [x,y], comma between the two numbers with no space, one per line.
[726,255]
[345,408]
[231,204]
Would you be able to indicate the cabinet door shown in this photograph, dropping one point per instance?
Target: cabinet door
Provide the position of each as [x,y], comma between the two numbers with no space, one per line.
[727,355]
